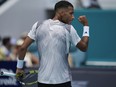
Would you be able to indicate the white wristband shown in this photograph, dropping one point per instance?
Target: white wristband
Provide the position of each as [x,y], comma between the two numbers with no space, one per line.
[86,31]
[20,63]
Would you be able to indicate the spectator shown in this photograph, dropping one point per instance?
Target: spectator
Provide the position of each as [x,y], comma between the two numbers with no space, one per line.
[90,4]
[6,48]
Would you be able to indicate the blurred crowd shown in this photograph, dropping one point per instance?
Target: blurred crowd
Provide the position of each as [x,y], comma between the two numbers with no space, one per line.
[9,49]
[90,4]
[84,4]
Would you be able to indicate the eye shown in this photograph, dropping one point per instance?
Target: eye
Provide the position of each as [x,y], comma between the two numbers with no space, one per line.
[71,13]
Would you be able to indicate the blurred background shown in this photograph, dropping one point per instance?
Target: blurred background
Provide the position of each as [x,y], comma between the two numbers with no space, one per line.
[88,68]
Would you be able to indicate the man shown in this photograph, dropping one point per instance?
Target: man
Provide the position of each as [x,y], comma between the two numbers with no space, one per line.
[53,37]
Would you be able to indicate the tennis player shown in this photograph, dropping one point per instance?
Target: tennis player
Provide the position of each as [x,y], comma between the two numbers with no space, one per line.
[53,38]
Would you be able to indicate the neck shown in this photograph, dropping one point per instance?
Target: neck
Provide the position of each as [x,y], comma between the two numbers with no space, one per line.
[57,17]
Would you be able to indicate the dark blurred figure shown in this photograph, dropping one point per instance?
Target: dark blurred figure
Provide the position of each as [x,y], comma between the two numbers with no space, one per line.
[5,48]
[2,1]
[90,4]
[94,4]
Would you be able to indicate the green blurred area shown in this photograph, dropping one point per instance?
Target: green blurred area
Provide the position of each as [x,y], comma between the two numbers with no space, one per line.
[102,43]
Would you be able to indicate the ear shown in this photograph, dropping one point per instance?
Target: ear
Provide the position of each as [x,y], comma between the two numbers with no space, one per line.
[62,12]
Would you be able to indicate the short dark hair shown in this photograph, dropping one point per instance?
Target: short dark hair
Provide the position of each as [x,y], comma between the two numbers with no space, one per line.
[6,40]
[62,4]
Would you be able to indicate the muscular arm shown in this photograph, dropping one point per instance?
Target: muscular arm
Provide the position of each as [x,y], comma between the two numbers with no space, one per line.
[23,48]
[83,44]
[22,52]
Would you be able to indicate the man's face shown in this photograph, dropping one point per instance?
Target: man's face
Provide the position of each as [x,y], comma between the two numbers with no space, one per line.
[68,16]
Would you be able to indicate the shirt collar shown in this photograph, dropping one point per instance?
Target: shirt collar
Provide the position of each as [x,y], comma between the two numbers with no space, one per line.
[57,22]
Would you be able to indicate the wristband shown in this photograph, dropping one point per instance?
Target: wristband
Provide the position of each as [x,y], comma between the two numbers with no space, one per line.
[20,63]
[86,31]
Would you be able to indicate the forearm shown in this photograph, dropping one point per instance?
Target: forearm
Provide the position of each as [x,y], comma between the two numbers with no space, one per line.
[83,44]
[23,49]
[85,40]
[85,36]
[21,53]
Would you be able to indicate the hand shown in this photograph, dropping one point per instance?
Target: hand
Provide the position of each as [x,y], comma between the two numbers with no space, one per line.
[83,20]
[19,73]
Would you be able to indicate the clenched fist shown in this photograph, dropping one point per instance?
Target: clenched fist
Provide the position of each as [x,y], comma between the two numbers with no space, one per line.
[83,20]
